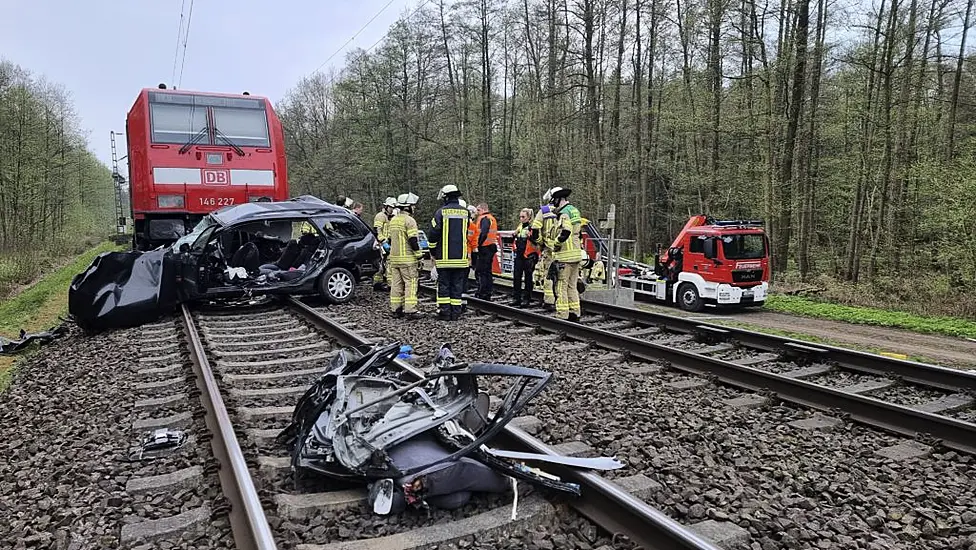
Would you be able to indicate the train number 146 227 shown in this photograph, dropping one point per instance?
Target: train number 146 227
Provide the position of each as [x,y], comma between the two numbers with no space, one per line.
[216,201]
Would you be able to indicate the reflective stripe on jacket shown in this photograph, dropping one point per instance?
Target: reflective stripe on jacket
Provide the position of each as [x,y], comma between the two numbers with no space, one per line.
[402,228]
[382,225]
[448,236]
[570,220]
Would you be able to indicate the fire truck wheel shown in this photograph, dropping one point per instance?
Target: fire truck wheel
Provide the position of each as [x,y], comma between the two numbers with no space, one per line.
[337,285]
[688,298]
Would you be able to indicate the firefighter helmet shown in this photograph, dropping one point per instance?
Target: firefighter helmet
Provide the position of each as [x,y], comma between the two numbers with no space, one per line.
[407,199]
[449,189]
[390,201]
[558,193]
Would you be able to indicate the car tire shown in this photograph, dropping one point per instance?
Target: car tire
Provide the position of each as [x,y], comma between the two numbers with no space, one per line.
[337,285]
[689,299]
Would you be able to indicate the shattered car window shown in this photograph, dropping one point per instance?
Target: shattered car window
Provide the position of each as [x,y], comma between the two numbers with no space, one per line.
[206,223]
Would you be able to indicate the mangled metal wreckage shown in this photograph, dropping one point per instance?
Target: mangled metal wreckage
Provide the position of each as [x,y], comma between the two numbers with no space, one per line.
[417,443]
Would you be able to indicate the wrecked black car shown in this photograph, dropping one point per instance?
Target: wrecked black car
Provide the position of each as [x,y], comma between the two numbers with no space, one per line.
[299,246]
[417,442]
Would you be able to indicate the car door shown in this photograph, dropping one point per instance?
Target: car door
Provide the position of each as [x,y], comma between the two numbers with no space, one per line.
[194,263]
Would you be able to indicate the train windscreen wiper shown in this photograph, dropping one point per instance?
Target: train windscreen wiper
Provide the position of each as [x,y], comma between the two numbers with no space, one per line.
[220,135]
[186,146]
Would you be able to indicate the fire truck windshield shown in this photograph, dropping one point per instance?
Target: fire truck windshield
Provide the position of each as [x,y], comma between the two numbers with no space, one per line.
[750,246]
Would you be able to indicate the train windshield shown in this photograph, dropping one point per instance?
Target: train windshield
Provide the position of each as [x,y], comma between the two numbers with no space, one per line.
[750,246]
[177,118]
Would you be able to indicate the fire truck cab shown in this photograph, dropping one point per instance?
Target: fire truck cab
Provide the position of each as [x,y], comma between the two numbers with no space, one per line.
[716,262]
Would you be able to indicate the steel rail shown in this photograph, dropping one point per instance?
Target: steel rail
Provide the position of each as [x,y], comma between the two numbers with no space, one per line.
[899,419]
[926,374]
[248,522]
[912,371]
[603,502]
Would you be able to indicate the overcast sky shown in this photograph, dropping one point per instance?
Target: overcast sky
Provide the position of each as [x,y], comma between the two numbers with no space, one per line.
[104,51]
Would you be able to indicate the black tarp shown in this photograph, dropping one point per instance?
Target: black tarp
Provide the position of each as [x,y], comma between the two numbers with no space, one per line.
[123,289]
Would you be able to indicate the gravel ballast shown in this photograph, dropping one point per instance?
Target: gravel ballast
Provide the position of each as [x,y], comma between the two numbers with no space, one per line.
[65,436]
[790,487]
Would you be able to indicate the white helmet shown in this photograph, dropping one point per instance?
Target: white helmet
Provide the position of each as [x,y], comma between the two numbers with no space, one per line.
[462,204]
[407,199]
[472,210]
[447,190]
[390,201]
[547,196]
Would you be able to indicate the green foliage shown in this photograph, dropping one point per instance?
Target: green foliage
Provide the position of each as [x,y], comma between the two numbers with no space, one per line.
[54,193]
[872,316]
[21,310]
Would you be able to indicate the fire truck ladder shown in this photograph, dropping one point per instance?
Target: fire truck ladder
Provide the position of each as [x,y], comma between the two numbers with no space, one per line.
[121,188]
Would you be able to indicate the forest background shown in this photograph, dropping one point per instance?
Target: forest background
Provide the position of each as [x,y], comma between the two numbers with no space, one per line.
[848,128]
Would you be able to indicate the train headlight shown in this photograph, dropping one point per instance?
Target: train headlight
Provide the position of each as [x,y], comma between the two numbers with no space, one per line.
[171,201]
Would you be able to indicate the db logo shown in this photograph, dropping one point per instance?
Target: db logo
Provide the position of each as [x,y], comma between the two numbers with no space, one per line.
[216,177]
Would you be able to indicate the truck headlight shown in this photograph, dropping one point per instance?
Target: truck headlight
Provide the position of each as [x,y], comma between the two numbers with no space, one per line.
[170,201]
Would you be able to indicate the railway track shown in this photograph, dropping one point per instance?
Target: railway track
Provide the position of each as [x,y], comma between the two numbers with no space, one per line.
[252,365]
[926,402]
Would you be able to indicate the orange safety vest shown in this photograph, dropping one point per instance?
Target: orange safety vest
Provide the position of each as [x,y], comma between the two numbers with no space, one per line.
[492,238]
[472,237]
[523,232]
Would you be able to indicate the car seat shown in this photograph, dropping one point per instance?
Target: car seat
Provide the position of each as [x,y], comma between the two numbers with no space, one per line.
[248,257]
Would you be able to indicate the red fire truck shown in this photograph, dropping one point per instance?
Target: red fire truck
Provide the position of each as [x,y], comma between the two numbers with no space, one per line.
[717,262]
[191,153]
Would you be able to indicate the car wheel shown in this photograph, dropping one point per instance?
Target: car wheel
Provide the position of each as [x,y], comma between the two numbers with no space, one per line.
[688,298]
[337,285]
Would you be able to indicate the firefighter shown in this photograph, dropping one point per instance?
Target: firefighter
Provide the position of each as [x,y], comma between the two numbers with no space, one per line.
[526,255]
[567,255]
[449,250]
[381,228]
[542,227]
[486,229]
[405,254]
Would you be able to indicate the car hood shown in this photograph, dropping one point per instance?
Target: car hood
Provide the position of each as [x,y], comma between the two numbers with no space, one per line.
[122,289]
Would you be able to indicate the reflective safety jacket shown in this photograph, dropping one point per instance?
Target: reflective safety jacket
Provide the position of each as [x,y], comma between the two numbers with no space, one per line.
[523,245]
[381,225]
[568,250]
[472,237]
[487,230]
[544,223]
[403,232]
[448,236]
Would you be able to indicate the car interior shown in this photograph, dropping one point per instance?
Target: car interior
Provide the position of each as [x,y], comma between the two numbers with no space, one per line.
[267,251]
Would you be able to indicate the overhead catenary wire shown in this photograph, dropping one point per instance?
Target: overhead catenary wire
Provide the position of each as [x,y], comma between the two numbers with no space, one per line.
[380,39]
[353,37]
[179,35]
[186,35]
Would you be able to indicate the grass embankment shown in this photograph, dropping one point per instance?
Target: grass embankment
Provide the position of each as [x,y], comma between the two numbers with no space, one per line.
[38,307]
[949,326]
